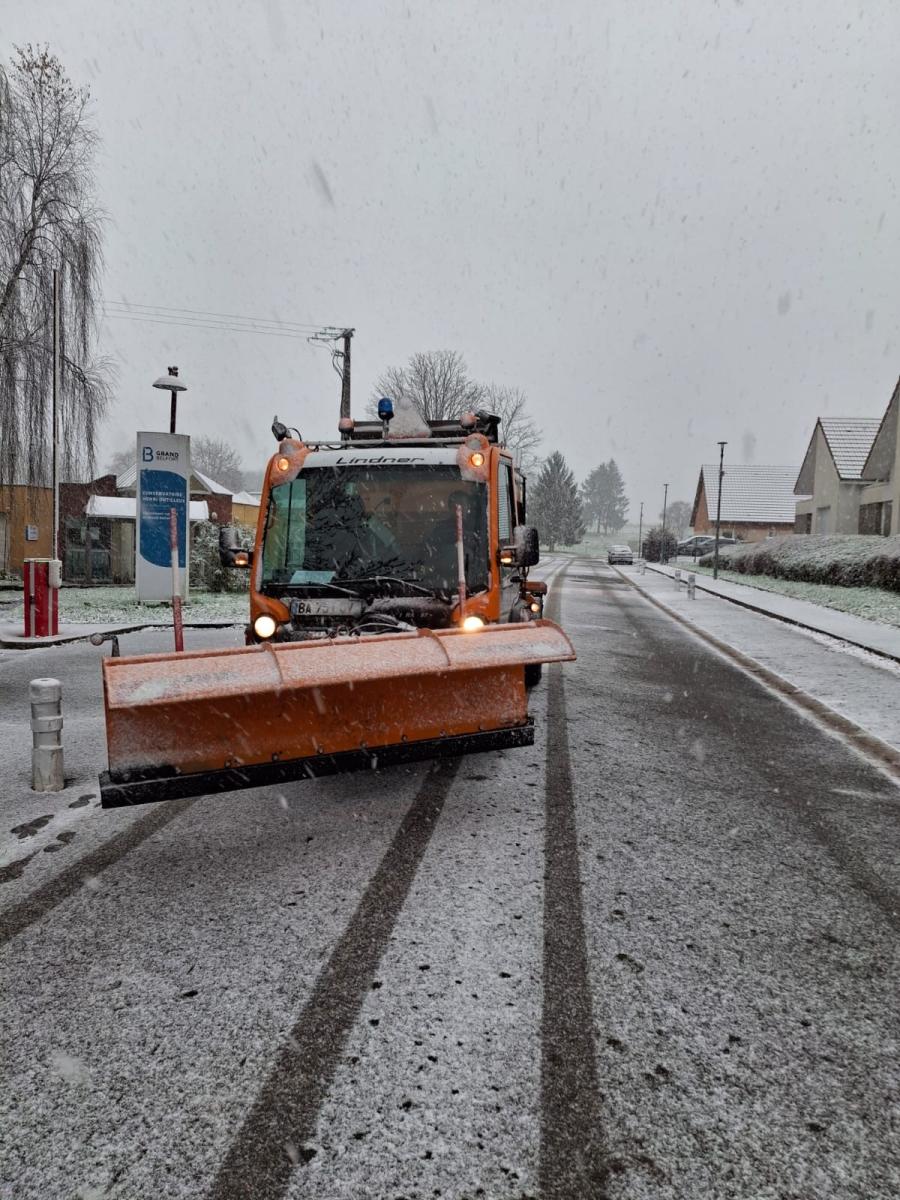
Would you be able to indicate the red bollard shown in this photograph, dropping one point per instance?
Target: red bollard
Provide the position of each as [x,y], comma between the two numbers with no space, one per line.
[41,597]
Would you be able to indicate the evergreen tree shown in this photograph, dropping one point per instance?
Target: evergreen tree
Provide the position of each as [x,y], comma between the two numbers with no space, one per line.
[593,492]
[603,497]
[615,512]
[554,504]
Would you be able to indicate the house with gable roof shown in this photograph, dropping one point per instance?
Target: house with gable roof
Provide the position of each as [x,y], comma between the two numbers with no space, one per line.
[757,501]
[830,485]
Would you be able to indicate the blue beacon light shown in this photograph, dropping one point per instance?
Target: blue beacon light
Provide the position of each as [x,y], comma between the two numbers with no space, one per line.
[386,412]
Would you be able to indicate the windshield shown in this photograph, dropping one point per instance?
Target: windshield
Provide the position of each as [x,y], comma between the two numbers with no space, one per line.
[355,523]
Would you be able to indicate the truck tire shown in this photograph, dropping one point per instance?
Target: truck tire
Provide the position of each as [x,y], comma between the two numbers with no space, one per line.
[533,674]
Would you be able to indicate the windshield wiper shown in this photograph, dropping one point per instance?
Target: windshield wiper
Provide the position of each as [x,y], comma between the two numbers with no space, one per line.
[332,587]
[391,579]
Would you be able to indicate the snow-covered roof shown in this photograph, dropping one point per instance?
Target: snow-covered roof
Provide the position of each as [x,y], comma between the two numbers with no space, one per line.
[245,498]
[849,440]
[763,495]
[124,508]
[127,482]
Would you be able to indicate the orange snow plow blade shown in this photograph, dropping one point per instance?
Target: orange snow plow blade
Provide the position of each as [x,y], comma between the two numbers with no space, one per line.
[218,720]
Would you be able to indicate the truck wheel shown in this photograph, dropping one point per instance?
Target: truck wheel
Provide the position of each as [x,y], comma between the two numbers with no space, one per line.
[533,674]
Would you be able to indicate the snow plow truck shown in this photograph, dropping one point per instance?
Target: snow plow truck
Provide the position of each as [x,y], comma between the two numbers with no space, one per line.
[392,620]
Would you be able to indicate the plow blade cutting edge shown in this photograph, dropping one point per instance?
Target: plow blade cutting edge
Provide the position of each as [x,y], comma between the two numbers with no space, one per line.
[218,720]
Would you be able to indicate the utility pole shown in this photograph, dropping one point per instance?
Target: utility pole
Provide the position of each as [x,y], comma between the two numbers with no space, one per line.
[722,446]
[54,553]
[340,359]
[345,374]
[641,532]
[663,556]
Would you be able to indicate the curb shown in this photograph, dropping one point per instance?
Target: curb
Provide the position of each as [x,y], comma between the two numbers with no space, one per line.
[885,754]
[765,612]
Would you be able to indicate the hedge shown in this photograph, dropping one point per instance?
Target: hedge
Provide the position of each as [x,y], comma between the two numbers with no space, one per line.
[849,560]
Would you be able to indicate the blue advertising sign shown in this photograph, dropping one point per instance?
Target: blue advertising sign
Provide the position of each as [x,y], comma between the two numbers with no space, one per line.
[163,481]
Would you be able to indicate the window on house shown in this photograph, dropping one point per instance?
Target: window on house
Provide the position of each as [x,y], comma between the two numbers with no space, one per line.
[872,519]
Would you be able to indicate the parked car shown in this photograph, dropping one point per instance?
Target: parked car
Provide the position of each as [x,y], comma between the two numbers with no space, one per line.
[620,554]
[703,543]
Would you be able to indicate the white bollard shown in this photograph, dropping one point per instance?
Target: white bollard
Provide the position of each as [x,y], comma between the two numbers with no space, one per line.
[46,735]
[691,586]
[677,575]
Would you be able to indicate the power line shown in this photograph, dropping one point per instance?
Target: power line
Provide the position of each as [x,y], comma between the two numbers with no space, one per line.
[129,306]
[216,327]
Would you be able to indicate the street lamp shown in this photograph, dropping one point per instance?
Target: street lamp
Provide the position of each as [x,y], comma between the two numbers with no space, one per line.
[641,532]
[663,556]
[722,446]
[171,383]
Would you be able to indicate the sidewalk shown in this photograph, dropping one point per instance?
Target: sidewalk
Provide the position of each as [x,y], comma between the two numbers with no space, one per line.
[12,638]
[852,691]
[858,631]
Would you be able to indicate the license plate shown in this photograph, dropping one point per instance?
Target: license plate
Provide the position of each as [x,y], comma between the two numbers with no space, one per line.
[326,608]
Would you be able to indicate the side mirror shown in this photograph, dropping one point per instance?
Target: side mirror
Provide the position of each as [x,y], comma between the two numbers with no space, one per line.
[231,552]
[525,538]
[525,549]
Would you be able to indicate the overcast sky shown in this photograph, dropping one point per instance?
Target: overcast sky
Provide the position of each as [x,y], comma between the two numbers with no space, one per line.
[668,223]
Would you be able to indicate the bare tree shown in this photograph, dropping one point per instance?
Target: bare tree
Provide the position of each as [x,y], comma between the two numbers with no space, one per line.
[435,382]
[518,429]
[120,461]
[48,219]
[678,517]
[221,462]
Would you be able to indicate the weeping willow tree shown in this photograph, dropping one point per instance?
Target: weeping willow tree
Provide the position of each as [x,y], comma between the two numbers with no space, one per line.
[48,219]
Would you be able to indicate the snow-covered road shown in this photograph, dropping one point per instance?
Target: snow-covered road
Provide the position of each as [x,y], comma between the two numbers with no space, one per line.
[655,955]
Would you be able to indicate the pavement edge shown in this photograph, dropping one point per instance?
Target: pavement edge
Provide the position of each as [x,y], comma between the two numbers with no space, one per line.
[886,755]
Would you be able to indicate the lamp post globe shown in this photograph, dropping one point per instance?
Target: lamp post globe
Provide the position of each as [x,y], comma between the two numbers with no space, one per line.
[171,383]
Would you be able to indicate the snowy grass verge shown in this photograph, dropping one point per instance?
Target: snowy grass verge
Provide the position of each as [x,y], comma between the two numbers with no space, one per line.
[876,604]
[847,560]
[112,605]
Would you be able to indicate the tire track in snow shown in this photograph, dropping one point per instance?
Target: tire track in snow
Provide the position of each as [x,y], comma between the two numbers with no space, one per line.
[573,1159]
[45,898]
[270,1142]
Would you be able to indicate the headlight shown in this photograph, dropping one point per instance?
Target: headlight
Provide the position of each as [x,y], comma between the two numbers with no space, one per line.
[264,626]
[472,623]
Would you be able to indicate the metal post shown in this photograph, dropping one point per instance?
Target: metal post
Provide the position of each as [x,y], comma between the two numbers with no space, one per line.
[46,735]
[722,446]
[641,532]
[663,557]
[460,563]
[174,394]
[176,582]
[54,553]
